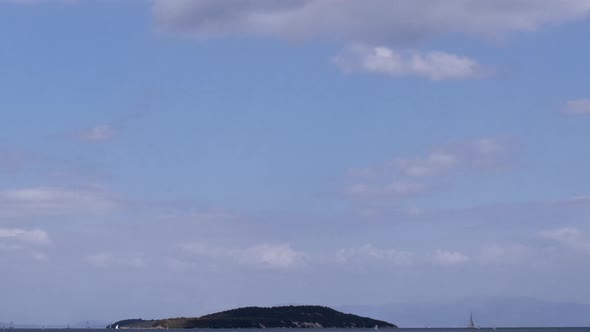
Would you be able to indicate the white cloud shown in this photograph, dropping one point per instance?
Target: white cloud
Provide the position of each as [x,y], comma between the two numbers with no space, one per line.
[109,259]
[477,155]
[399,21]
[394,190]
[369,252]
[483,153]
[577,107]
[54,201]
[434,65]
[279,256]
[510,254]
[27,241]
[570,237]
[433,164]
[97,134]
[33,237]
[449,258]
[387,184]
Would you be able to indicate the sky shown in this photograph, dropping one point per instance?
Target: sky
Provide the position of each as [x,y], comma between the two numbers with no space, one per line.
[179,157]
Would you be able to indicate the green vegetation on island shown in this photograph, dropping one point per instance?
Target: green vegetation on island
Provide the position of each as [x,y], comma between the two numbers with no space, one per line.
[257,317]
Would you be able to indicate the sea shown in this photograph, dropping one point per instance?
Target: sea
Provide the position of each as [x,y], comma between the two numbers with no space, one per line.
[498,329]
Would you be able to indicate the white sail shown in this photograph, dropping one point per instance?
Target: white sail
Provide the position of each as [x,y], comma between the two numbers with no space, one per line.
[471,324]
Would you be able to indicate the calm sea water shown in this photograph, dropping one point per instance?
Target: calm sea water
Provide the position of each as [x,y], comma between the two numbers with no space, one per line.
[499,329]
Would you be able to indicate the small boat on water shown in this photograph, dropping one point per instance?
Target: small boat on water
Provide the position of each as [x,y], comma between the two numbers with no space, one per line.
[471,324]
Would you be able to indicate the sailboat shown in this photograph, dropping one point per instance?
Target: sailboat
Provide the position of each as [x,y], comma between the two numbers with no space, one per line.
[11,326]
[116,327]
[471,325]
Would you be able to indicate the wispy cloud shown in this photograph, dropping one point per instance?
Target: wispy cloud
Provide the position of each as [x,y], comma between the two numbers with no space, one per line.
[508,254]
[33,236]
[382,21]
[368,255]
[569,237]
[546,249]
[29,242]
[54,201]
[576,107]
[480,154]
[393,190]
[449,258]
[487,153]
[110,259]
[370,252]
[277,256]
[434,65]
[97,134]
[405,178]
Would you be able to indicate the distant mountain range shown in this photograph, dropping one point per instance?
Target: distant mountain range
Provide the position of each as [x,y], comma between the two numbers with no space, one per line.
[487,312]
[257,317]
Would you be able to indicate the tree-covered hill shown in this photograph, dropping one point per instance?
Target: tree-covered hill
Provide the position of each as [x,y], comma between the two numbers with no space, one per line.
[257,317]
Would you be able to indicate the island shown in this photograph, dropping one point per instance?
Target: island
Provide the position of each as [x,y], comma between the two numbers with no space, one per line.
[307,316]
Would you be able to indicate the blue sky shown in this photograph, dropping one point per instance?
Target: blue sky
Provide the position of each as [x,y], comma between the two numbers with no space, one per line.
[192,156]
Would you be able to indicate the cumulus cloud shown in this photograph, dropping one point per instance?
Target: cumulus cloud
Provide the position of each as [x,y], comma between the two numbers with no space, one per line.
[278,256]
[577,107]
[54,201]
[97,134]
[399,21]
[434,65]
[449,258]
[110,259]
